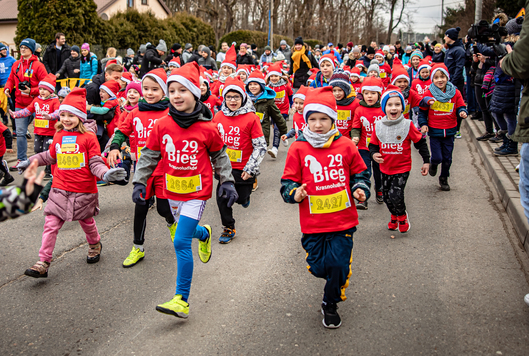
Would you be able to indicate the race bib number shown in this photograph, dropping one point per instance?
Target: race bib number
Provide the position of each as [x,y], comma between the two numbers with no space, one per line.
[183,185]
[444,107]
[42,123]
[382,75]
[344,115]
[325,204]
[70,160]
[407,109]
[235,155]
[280,94]
[261,116]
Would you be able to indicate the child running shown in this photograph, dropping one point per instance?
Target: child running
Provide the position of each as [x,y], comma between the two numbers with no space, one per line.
[440,107]
[345,100]
[182,146]
[412,100]
[422,83]
[390,147]
[327,66]
[73,196]
[299,122]
[385,69]
[240,128]
[323,172]
[227,69]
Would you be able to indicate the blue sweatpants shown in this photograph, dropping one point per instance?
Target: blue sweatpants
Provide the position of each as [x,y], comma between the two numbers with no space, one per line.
[441,149]
[329,256]
[373,168]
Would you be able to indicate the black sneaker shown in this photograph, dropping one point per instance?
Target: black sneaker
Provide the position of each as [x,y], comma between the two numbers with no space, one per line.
[331,319]
[380,197]
[28,135]
[433,169]
[48,176]
[443,182]
[496,139]
[485,136]
[8,179]
[361,205]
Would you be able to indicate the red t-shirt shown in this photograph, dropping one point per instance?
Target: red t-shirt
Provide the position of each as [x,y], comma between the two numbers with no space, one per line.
[3,147]
[357,87]
[420,86]
[217,88]
[73,152]
[326,171]
[397,156]
[41,106]
[299,123]
[364,119]
[213,102]
[283,92]
[185,160]
[385,73]
[237,133]
[444,115]
[411,102]
[345,117]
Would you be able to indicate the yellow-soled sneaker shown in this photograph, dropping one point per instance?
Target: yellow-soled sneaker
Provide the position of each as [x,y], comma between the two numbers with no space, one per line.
[204,247]
[172,230]
[135,256]
[176,307]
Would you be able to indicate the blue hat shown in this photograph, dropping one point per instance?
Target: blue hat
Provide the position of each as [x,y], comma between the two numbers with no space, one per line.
[329,44]
[2,46]
[453,33]
[29,43]
[391,92]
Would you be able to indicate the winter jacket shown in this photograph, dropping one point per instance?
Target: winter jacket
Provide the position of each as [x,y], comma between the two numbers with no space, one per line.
[88,66]
[286,52]
[267,110]
[18,71]
[68,67]
[438,57]
[151,60]
[405,58]
[185,57]
[267,59]
[455,62]
[336,54]
[208,63]
[92,90]
[302,74]
[503,97]
[246,59]
[50,57]
[5,67]
[367,61]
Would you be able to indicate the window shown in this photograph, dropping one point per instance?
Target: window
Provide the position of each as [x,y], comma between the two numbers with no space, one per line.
[144,2]
[130,3]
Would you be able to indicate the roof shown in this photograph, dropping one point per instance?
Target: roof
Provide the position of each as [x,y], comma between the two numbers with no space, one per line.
[102,5]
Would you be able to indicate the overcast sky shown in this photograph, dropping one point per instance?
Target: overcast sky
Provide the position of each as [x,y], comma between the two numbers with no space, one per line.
[427,13]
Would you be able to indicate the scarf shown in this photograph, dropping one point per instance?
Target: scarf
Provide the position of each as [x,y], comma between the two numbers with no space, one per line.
[317,140]
[185,120]
[297,56]
[158,106]
[346,101]
[222,78]
[280,82]
[406,92]
[253,97]
[129,108]
[364,104]
[205,96]
[244,109]
[441,96]
[392,131]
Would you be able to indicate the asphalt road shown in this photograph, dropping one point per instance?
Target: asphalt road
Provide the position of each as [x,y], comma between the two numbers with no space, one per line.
[453,285]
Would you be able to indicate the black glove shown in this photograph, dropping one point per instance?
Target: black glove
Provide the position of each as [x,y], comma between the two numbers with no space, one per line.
[227,190]
[138,194]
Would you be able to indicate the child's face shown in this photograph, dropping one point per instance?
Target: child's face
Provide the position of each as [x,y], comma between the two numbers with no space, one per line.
[338,93]
[380,59]
[133,96]
[401,83]
[243,76]
[233,100]
[225,70]
[181,98]
[104,95]
[254,88]
[319,123]
[370,97]
[61,99]
[298,105]
[354,78]
[437,49]
[44,93]
[440,80]
[415,61]
[203,88]
[123,84]
[373,73]
[326,69]
[274,78]
[152,91]
[393,108]
[69,120]
[424,73]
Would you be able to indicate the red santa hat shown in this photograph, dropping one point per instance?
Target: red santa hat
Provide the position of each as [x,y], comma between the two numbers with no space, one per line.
[311,78]
[209,74]
[126,77]
[424,64]
[204,79]
[439,67]
[243,68]
[399,73]
[379,53]
[347,70]
[111,87]
[330,58]
[355,72]
[397,61]
[234,84]
[372,84]
[231,58]
[189,76]
[48,83]
[75,103]
[275,69]
[320,100]
[301,93]
[256,76]
[175,62]
[112,61]
[159,76]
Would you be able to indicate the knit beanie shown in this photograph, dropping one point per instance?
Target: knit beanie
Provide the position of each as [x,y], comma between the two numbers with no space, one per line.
[320,100]
[162,46]
[453,33]
[370,50]
[76,49]
[188,46]
[143,48]
[29,43]
[85,46]
[350,44]
[134,85]
[408,48]
[189,76]
[373,65]
[2,46]
[341,80]
[75,103]
[416,53]
[514,26]
[63,92]
[130,52]
[283,42]
[391,92]
[175,47]
[356,50]
[298,40]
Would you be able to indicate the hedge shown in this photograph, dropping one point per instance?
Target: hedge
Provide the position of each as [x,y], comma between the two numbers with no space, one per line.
[260,39]
[313,43]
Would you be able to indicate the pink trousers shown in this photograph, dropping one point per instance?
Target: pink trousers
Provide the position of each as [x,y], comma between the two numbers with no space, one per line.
[53,224]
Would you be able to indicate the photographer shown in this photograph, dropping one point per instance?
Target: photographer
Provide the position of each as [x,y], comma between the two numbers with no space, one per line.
[25,76]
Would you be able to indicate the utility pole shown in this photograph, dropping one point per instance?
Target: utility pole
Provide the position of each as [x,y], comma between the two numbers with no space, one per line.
[479,8]
[339,26]
[271,5]
[442,11]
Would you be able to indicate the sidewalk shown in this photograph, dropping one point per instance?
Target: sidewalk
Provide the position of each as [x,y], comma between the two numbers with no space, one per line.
[504,177]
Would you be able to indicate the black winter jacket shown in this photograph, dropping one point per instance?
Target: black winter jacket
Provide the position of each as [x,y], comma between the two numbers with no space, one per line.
[151,60]
[302,74]
[67,69]
[50,57]
[455,62]
[246,59]
[92,90]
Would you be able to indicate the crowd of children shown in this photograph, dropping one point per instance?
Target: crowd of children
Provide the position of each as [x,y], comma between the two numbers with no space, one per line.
[181,128]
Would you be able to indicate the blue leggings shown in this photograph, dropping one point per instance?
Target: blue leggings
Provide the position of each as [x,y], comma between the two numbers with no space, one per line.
[186,230]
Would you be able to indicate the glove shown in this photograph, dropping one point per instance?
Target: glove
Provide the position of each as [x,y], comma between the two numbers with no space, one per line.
[227,190]
[115,174]
[138,194]
[22,166]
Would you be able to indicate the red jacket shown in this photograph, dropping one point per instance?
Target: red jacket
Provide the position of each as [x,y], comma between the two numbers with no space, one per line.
[19,73]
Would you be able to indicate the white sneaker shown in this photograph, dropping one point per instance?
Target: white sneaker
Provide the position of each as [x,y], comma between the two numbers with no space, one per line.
[273,152]
[285,143]
[526,299]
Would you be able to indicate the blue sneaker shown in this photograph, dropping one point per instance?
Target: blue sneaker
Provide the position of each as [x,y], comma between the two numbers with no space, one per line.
[102,183]
[227,235]
[247,204]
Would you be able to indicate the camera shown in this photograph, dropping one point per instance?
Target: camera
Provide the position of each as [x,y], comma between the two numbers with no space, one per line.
[489,35]
[24,85]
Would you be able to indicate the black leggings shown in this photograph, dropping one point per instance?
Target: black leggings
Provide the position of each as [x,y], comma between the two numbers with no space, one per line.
[140,217]
[2,168]
[393,190]
[244,189]
[42,144]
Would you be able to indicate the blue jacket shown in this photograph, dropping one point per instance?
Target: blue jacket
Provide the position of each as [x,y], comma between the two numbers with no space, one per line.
[89,68]
[319,82]
[336,54]
[455,62]
[5,67]
[503,98]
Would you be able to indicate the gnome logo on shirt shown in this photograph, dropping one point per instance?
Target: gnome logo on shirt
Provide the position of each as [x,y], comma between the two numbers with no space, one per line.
[313,164]
[139,127]
[221,130]
[332,171]
[170,148]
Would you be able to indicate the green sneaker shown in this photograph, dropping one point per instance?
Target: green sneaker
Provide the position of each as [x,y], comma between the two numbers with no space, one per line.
[204,247]
[175,306]
[172,230]
[135,256]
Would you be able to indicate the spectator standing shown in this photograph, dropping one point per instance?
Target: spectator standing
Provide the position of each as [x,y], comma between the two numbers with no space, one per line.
[88,62]
[399,50]
[302,62]
[455,63]
[174,52]
[243,57]
[139,56]
[187,53]
[221,56]
[334,52]
[6,62]
[56,53]
[71,68]
[284,48]
[153,58]
[206,60]
[267,56]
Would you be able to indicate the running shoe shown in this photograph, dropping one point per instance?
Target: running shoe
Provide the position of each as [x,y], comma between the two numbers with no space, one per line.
[393,224]
[458,134]
[176,307]
[404,223]
[255,185]
[361,205]
[48,176]
[102,183]
[246,203]
[273,152]
[172,230]
[331,319]
[204,247]
[94,253]
[15,167]
[39,270]
[8,179]
[135,256]
[380,197]
[227,235]
[526,299]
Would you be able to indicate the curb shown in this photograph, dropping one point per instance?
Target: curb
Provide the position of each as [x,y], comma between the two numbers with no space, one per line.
[506,188]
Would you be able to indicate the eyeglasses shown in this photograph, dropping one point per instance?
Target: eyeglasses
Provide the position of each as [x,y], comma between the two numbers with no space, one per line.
[23,48]
[233,98]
